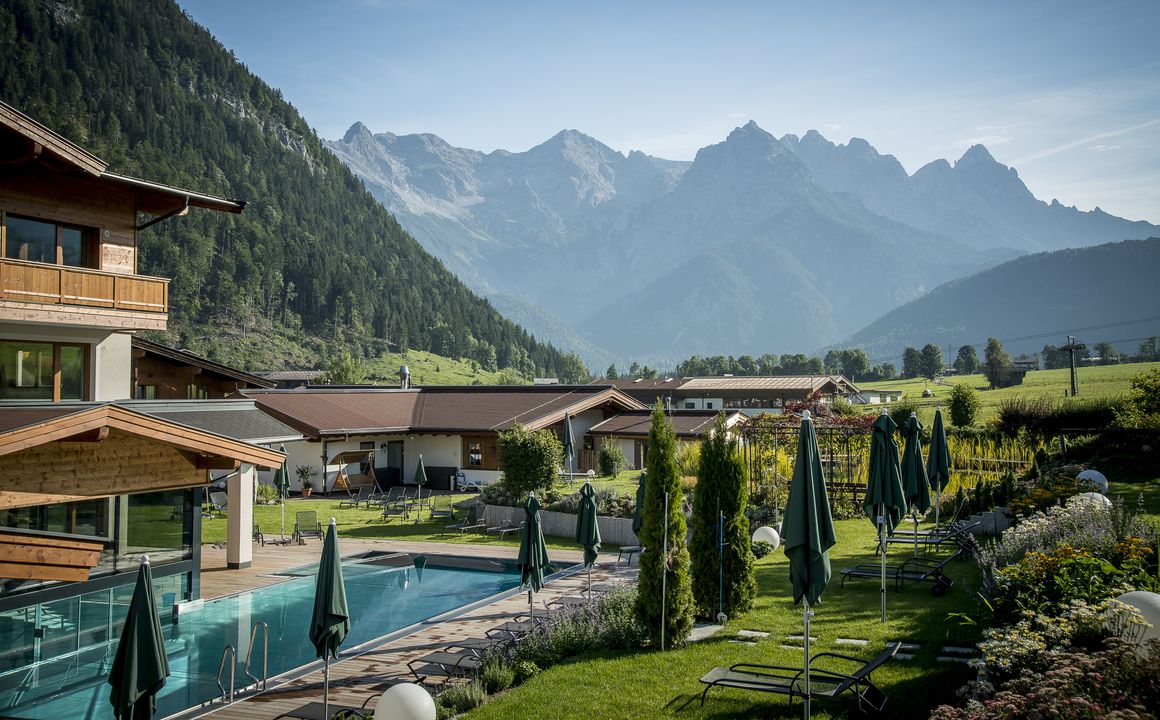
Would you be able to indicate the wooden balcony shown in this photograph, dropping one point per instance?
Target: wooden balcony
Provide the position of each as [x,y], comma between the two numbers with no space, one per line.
[80,296]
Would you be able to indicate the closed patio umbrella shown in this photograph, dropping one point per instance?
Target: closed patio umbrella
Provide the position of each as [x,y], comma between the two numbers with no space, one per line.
[914,473]
[638,515]
[533,557]
[569,443]
[420,480]
[885,500]
[938,461]
[808,532]
[282,482]
[587,529]
[330,621]
[140,665]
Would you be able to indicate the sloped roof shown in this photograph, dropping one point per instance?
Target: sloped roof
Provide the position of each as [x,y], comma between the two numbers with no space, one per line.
[187,358]
[635,423]
[240,419]
[321,412]
[769,383]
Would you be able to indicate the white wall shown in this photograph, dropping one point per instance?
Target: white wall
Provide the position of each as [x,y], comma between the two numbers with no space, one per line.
[699,403]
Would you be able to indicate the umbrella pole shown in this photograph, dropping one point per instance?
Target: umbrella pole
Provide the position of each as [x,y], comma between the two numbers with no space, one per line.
[806,621]
[664,571]
[914,514]
[937,505]
[326,686]
[882,552]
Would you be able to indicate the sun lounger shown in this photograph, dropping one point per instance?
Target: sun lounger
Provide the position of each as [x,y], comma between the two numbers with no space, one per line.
[446,663]
[467,524]
[362,497]
[448,514]
[512,629]
[463,484]
[306,525]
[959,537]
[629,551]
[477,645]
[399,506]
[824,683]
[505,530]
[915,569]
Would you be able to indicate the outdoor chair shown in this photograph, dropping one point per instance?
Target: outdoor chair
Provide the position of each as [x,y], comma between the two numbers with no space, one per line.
[306,525]
[959,537]
[463,484]
[258,536]
[826,684]
[218,502]
[448,514]
[398,506]
[915,569]
[513,629]
[447,664]
[627,551]
[476,645]
[466,524]
[506,529]
[363,496]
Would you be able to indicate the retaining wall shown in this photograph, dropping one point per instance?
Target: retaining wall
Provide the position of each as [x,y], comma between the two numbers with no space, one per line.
[613,531]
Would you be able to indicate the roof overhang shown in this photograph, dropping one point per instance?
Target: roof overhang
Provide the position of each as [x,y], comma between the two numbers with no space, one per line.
[609,395]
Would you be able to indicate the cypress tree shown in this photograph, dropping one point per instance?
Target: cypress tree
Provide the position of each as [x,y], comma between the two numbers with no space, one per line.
[721,489]
[677,605]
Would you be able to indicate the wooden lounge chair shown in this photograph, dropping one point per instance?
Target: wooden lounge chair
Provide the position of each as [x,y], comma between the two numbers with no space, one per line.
[306,525]
[362,497]
[915,569]
[824,683]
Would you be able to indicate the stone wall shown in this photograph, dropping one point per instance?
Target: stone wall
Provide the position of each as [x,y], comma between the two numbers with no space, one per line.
[613,531]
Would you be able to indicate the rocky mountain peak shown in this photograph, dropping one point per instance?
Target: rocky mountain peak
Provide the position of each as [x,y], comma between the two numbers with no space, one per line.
[358,133]
[976,155]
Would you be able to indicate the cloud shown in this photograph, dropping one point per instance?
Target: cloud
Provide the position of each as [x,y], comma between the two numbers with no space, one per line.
[990,135]
[832,127]
[1101,148]
[738,116]
[1084,141]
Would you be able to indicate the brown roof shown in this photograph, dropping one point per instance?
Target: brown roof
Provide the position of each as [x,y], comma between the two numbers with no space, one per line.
[445,409]
[799,383]
[17,416]
[635,423]
[185,357]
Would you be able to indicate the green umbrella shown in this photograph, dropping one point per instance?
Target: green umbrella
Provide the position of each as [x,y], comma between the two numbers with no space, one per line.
[587,529]
[140,666]
[914,473]
[533,558]
[330,621]
[938,461]
[885,500]
[638,514]
[808,532]
[282,482]
[569,441]
[420,480]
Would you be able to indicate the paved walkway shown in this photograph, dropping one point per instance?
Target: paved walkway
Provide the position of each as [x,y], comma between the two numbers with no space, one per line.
[367,671]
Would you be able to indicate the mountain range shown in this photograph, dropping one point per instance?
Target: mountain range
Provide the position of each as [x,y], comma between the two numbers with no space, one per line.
[760,244]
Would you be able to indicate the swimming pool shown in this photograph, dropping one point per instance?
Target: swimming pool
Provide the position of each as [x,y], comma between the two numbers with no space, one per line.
[385,592]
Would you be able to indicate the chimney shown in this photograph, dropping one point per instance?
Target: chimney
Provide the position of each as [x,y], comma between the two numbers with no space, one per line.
[404,378]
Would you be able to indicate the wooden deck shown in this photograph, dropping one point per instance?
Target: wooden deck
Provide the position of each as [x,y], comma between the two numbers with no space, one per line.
[368,670]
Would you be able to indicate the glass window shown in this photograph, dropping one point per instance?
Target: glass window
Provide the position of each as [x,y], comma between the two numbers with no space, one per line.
[73,249]
[474,453]
[30,240]
[29,371]
[156,525]
[146,392]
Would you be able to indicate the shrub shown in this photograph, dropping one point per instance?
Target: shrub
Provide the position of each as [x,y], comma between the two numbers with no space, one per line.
[688,458]
[964,405]
[663,478]
[524,670]
[267,494]
[496,676]
[722,490]
[611,458]
[463,697]
[901,410]
[530,460]
[1040,417]
[761,548]
[841,407]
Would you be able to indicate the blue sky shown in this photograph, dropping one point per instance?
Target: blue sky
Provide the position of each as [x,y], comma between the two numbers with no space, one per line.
[1068,93]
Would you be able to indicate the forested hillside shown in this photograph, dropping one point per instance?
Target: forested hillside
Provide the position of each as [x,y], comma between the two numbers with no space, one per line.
[313,263]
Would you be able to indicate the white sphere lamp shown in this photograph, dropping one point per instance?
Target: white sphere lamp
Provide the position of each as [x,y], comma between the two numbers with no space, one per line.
[1092,497]
[767,534]
[1148,605]
[406,701]
[1096,479]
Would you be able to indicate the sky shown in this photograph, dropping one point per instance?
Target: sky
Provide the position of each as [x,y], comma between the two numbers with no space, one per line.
[1068,93]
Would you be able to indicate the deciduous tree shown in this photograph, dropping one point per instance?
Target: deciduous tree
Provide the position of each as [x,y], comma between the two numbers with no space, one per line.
[967,361]
[995,360]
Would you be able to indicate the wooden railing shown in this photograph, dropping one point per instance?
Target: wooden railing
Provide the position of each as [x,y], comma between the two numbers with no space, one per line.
[64,285]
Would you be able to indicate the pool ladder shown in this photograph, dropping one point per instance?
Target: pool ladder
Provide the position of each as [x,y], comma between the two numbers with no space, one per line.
[229,652]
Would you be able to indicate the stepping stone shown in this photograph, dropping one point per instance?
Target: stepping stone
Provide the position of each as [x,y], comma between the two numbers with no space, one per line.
[852,642]
[907,647]
[702,632]
[790,647]
[744,642]
[958,650]
[753,634]
[799,638]
[954,659]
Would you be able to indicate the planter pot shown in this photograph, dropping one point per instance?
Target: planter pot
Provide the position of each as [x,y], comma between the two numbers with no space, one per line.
[306,491]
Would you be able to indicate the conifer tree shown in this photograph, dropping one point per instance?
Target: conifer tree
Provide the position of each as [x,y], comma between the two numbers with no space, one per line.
[722,488]
[677,604]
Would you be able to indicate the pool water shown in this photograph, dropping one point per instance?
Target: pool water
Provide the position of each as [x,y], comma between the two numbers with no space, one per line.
[384,595]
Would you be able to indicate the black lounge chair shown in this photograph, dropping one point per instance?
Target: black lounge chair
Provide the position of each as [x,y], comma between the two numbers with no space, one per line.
[399,506]
[915,569]
[513,629]
[363,496]
[306,525]
[506,529]
[448,664]
[467,524]
[629,551]
[959,536]
[824,683]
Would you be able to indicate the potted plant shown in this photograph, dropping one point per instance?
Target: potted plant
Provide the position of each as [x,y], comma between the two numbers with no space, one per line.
[306,474]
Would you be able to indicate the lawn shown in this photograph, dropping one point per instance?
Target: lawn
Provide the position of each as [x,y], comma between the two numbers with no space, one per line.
[428,369]
[1105,381]
[651,684]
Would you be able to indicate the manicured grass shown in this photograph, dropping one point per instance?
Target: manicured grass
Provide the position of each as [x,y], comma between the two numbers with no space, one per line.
[1105,381]
[428,369]
[647,684]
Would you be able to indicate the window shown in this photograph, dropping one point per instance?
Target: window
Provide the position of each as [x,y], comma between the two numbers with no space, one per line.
[42,371]
[690,405]
[49,242]
[146,392]
[708,406]
[480,453]
[196,392]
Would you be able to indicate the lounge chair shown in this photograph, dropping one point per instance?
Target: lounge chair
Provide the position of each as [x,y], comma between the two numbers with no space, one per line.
[959,537]
[258,536]
[915,569]
[824,683]
[448,514]
[628,550]
[463,484]
[476,645]
[306,525]
[448,664]
[363,496]
[506,529]
[218,502]
[513,629]
[398,506]
[467,524]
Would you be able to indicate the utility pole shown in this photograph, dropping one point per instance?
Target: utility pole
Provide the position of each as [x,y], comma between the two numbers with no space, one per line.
[1071,347]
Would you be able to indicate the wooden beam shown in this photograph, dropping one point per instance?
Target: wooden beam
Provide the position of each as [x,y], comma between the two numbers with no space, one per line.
[32,555]
[22,571]
[216,463]
[8,537]
[90,436]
